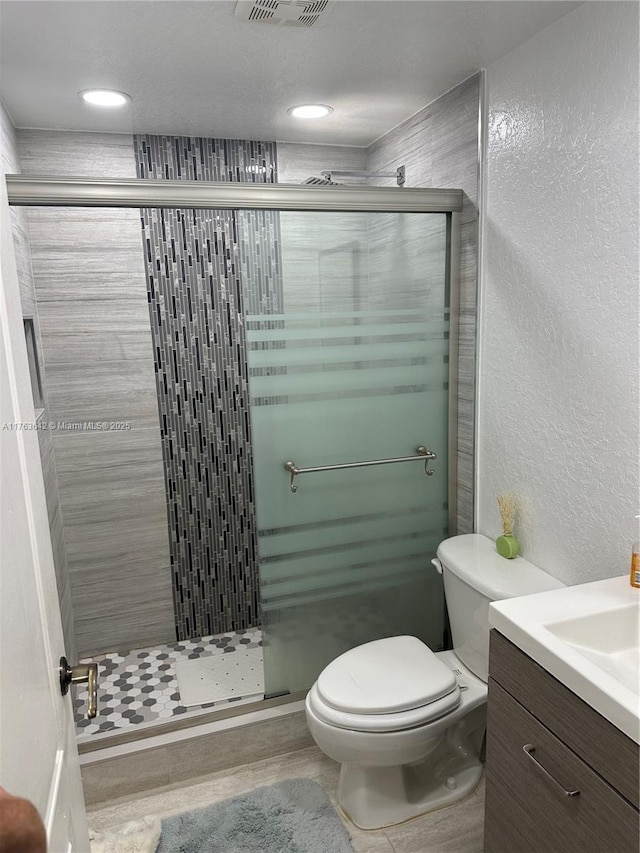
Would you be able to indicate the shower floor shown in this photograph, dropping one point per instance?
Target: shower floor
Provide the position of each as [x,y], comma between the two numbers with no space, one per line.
[140,687]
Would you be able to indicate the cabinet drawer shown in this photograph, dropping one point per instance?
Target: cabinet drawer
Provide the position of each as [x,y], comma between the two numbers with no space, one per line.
[527,811]
[604,747]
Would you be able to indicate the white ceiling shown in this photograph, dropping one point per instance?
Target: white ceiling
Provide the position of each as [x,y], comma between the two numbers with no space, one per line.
[193,68]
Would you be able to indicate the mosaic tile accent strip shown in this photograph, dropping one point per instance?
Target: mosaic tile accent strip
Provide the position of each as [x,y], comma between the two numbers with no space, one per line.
[196,262]
[140,687]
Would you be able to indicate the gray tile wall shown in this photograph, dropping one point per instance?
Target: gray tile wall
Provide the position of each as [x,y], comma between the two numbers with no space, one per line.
[92,301]
[90,281]
[297,162]
[306,237]
[439,147]
[196,261]
[56,526]
[232,744]
[347,262]
[11,165]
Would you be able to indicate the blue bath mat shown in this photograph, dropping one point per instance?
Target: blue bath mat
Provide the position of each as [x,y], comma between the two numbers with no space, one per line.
[294,816]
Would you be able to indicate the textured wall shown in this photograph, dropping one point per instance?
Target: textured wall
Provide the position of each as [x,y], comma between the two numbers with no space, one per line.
[559,402]
[10,165]
[92,301]
[439,147]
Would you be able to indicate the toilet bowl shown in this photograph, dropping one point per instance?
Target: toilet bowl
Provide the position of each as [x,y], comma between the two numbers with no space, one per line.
[379,781]
[407,724]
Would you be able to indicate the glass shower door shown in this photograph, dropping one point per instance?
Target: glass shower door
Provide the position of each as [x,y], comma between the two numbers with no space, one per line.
[349,364]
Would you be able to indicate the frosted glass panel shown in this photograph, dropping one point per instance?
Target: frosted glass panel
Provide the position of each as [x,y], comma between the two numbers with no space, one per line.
[354,367]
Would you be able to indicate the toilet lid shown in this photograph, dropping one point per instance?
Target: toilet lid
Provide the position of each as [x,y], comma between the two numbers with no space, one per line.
[382,722]
[385,677]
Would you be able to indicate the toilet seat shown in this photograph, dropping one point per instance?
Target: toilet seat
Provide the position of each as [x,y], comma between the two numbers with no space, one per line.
[384,686]
[382,722]
[385,677]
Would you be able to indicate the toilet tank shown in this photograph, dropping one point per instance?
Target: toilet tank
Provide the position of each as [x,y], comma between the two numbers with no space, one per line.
[474,574]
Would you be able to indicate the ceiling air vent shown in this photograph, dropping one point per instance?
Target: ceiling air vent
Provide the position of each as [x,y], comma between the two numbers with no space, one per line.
[285,13]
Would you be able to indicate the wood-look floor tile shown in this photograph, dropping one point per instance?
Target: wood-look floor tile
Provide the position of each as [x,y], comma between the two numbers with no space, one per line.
[456,829]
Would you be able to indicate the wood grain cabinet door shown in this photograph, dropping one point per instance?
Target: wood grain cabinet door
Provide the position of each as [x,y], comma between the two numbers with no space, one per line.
[529,808]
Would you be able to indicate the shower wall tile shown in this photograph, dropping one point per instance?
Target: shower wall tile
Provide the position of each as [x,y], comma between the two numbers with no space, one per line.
[11,165]
[134,597]
[439,147]
[107,392]
[68,153]
[308,237]
[102,241]
[97,330]
[196,262]
[320,252]
[297,161]
[56,526]
[92,302]
[9,162]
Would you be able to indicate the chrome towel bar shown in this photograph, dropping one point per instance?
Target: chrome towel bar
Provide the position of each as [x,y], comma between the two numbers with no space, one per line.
[422,453]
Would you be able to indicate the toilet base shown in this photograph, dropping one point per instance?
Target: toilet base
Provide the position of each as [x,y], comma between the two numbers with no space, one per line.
[376,797]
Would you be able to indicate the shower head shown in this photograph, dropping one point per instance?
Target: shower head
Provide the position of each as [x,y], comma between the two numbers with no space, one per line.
[326,176]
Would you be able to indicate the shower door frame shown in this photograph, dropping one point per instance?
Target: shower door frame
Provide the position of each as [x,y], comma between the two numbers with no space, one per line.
[51,191]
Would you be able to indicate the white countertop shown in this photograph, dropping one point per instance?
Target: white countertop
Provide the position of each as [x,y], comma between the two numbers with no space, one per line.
[586,636]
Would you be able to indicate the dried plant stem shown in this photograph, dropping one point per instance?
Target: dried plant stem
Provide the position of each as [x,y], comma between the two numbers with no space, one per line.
[507,507]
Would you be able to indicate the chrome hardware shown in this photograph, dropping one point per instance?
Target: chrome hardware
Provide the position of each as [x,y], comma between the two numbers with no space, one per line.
[528,750]
[400,174]
[294,471]
[45,191]
[427,455]
[422,452]
[83,673]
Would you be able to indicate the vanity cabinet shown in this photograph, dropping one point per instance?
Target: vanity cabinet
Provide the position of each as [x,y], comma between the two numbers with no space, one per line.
[559,777]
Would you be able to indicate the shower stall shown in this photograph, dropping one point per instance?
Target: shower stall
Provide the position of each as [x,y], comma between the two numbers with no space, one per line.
[304,349]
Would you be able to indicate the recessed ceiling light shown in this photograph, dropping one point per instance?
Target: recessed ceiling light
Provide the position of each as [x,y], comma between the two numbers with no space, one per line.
[310,111]
[104,97]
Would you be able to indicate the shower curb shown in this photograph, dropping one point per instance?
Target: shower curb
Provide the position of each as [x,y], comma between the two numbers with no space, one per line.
[179,756]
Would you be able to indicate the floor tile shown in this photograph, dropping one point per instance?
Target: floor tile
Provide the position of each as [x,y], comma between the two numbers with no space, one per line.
[456,829]
[140,686]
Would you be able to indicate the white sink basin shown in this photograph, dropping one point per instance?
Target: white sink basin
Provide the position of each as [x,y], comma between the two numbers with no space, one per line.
[610,640]
[588,637]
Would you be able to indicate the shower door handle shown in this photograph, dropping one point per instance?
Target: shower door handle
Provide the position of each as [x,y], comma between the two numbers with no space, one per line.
[82,673]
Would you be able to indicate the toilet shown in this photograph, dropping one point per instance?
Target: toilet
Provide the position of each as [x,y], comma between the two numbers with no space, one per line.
[407,724]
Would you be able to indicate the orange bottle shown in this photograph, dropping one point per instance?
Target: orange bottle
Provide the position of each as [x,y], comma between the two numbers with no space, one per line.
[635,561]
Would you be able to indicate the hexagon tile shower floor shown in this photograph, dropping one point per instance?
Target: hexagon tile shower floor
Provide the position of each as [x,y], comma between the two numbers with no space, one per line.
[140,688]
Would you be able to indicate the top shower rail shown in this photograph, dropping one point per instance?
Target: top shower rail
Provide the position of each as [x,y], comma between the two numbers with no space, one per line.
[44,191]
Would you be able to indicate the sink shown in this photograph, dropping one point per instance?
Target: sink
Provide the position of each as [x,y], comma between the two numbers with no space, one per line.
[609,639]
[588,637]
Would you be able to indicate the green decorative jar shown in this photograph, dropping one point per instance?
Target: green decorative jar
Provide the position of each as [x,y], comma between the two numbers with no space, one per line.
[508,546]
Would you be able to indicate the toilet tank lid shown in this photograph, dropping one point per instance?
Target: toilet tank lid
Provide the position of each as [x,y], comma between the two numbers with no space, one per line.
[385,677]
[474,559]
